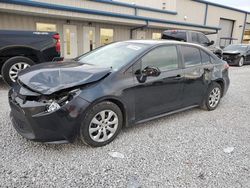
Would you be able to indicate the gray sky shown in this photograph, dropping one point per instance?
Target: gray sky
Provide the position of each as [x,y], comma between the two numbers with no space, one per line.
[241,4]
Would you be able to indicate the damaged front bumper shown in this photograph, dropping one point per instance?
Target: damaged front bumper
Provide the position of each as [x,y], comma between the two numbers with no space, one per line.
[33,121]
[232,59]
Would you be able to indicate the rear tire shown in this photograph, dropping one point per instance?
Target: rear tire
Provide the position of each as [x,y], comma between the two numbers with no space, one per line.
[13,66]
[241,62]
[101,124]
[213,97]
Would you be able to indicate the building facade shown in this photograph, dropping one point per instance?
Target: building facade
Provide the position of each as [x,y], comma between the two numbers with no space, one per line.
[87,24]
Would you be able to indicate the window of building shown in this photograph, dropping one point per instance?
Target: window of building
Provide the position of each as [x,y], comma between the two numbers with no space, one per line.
[156,36]
[45,27]
[164,58]
[205,58]
[191,56]
[106,36]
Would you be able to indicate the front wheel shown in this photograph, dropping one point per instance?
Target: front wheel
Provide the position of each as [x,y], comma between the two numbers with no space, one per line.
[101,124]
[213,96]
[241,62]
[13,66]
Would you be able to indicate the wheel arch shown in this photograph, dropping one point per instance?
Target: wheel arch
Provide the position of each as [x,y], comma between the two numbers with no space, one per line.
[25,51]
[116,101]
[221,83]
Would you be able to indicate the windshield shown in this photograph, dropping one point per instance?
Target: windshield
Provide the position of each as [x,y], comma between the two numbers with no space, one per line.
[236,47]
[113,55]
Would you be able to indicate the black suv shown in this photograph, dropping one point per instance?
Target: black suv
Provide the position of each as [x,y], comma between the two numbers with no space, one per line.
[192,37]
[22,49]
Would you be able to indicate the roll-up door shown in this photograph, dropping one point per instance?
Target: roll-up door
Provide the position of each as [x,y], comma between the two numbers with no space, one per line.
[225,32]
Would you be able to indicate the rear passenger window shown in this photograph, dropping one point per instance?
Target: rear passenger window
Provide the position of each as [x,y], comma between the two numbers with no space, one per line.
[205,58]
[165,58]
[191,56]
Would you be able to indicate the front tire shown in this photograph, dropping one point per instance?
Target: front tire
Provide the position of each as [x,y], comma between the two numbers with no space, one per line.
[13,66]
[213,97]
[101,124]
[241,62]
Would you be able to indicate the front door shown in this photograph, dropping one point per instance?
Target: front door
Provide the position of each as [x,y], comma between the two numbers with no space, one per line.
[70,41]
[159,94]
[88,38]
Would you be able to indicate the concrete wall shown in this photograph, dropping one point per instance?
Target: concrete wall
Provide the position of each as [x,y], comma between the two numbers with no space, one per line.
[158,4]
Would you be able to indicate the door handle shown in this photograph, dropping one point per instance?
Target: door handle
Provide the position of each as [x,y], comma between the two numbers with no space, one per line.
[178,77]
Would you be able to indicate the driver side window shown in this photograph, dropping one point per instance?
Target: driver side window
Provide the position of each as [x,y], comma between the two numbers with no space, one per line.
[164,58]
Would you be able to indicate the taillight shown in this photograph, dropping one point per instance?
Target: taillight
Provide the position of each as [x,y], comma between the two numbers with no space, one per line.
[58,44]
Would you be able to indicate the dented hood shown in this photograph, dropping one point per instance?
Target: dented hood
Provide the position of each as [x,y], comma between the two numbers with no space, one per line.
[47,78]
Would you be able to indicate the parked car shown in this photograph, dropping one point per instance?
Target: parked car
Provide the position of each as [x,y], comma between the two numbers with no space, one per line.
[117,85]
[237,54]
[22,49]
[192,37]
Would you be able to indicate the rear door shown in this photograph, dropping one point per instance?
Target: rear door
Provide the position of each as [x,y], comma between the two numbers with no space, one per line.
[157,95]
[194,85]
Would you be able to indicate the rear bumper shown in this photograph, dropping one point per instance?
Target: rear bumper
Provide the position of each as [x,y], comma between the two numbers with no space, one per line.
[60,125]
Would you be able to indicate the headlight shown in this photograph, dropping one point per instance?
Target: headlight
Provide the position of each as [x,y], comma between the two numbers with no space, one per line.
[53,107]
[56,103]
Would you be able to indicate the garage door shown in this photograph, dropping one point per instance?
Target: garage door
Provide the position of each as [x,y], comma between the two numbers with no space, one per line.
[226,31]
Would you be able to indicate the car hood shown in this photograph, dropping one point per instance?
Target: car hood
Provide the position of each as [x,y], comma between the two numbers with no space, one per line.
[232,52]
[48,78]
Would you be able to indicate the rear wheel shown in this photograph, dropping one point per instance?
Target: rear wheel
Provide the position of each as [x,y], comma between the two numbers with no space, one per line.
[101,124]
[13,66]
[213,96]
[241,62]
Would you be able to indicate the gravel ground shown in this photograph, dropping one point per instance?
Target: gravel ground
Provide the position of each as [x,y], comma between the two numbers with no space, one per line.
[195,148]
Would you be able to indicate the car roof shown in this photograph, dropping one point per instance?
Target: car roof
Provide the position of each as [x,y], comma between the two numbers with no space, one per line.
[163,41]
[24,32]
[181,30]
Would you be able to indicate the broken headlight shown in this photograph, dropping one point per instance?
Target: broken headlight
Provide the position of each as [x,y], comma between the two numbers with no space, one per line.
[58,101]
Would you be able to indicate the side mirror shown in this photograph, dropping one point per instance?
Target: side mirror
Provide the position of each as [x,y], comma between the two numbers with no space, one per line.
[151,71]
[211,43]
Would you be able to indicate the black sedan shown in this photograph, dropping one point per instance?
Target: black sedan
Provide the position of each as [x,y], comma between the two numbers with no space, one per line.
[117,85]
[237,54]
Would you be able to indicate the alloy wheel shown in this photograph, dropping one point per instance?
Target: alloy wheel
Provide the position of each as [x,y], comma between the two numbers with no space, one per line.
[241,62]
[103,126]
[16,68]
[214,97]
